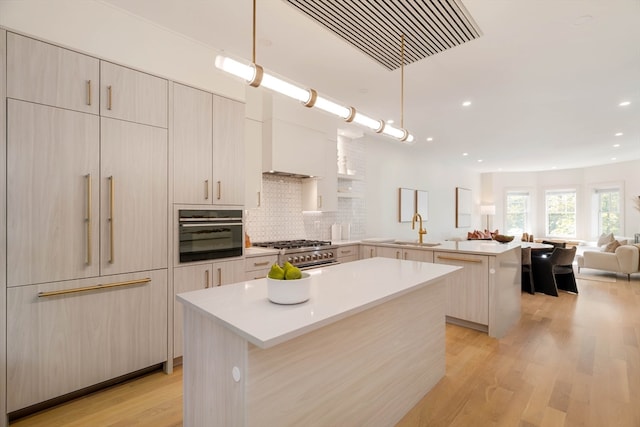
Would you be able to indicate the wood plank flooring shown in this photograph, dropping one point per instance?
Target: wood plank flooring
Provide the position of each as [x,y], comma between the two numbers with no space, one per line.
[573,360]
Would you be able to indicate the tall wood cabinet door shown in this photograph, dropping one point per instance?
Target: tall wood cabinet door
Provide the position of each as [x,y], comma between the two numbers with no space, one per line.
[228,151]
[134,197]
[51,75]
[52,194]
[192,153]
[132,95]
[253,163]
[61,343]
[185,279]
[467,291]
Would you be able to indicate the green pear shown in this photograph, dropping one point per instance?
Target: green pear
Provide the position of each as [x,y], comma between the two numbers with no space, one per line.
[276,272]
[287,265]
[292,273]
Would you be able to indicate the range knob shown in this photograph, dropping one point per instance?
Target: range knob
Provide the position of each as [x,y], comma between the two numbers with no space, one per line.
[289,259]
[308,257]
[325,255]
[330,254]
[295,259]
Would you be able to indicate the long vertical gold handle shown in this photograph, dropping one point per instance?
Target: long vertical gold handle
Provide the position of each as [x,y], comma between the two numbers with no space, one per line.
[88,92]
[112,196]
[219,190]
[371,253]
[259,199]
[206,279]
[109,97]
[405,255]
[206,189]
[219,276]
[88,219]
[319,202]
[398,255]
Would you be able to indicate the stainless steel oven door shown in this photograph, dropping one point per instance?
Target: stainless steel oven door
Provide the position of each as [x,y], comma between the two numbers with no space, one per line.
[211,234]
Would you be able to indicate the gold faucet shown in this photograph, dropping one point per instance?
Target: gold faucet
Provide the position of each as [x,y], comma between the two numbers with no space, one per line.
[421,231]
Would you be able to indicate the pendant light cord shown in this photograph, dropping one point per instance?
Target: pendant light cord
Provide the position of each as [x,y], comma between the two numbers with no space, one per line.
[254,32]
[401,81]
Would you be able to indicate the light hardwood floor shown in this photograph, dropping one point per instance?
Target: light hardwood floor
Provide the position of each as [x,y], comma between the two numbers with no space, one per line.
[571,361]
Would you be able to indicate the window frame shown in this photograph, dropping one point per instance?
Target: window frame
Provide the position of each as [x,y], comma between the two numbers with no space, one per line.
[527,212]
[557,191]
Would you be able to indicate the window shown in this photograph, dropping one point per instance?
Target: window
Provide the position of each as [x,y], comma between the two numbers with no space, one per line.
[560,209]
[607,205]
[517,213]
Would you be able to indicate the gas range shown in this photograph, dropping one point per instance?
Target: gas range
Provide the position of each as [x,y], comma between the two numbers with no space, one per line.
[304,254]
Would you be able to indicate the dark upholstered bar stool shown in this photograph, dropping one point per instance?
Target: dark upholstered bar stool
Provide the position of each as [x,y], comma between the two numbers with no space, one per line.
[527,275]
[561,261]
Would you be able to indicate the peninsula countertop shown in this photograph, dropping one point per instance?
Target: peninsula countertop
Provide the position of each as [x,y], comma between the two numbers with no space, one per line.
[336,292]
[478,247]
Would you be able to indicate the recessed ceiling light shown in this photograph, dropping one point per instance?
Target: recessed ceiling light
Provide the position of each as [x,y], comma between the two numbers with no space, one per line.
[390,121]
[466,103]
[430,139]
[613,158]
[625,103]
[619,134]
[616,145]
[553,167]
[479,160]
[465,154]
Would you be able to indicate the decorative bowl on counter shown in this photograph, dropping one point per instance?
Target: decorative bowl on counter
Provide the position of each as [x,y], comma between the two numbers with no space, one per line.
[502,238]
[289,291]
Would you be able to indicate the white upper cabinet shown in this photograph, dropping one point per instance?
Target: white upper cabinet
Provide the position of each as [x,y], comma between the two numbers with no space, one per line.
[192,142]
[228,152]
[132,95]
[50,75]
[291,148]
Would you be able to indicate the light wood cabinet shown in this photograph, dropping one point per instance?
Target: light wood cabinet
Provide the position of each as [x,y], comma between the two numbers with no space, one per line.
[257,267]
[417,255]
[62,343]
[253,163]
[52,194]
[467,291]
[131,95]
[347,253]
[192,135]
[134,197]
[208,154]
[368,251]
[320,193]
[200,276]
[46,74]
[228,152]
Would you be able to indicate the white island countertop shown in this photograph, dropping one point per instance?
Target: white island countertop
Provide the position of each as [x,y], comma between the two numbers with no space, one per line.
[336,292]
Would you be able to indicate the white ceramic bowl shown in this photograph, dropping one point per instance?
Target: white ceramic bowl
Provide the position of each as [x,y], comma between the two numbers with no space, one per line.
[289,291]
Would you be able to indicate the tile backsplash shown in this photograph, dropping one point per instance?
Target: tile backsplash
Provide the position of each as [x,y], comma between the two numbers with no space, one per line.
[280,217]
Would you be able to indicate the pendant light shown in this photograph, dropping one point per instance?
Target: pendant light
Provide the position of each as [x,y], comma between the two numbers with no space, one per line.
[256,76]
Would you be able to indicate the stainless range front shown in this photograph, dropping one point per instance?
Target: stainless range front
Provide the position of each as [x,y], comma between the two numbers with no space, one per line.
[304,254]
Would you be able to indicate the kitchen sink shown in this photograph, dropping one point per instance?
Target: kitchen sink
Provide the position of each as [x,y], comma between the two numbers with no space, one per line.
[415,243]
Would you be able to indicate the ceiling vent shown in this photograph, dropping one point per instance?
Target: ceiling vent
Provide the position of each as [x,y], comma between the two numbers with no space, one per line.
[375,26]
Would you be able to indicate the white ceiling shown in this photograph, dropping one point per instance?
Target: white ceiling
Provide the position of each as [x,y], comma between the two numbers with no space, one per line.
[545,78]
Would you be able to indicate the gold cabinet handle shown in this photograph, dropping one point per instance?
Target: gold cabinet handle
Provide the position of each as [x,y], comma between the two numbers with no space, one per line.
[88,218]
[206,279]
[259,199]
[371,253]
[398,255]
[219,276]
[219,190]
[451,258]
[112,195]
[260,264]
[344,252]
[319,202]
[93,288]
[88,92]
[109,99]
[405,255]
[206,189]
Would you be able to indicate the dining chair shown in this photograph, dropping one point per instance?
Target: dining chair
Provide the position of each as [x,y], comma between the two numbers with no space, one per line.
[561,261]
[527,272]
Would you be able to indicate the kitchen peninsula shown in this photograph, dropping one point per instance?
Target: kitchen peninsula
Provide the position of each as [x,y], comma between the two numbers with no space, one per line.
[363,350]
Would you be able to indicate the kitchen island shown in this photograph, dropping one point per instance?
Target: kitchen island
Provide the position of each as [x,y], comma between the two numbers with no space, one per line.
[366,347]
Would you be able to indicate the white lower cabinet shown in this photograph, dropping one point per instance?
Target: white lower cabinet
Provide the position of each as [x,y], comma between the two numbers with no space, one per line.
[467,291]
[200,276]
[368,251]
[65,336]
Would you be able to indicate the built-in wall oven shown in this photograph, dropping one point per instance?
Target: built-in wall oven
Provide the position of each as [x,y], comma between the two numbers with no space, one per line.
[209,234]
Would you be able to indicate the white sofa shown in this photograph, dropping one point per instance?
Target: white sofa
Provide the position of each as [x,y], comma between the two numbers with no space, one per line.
[625,259]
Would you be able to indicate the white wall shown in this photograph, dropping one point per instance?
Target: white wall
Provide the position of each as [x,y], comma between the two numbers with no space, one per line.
[584,180]
[391,165]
